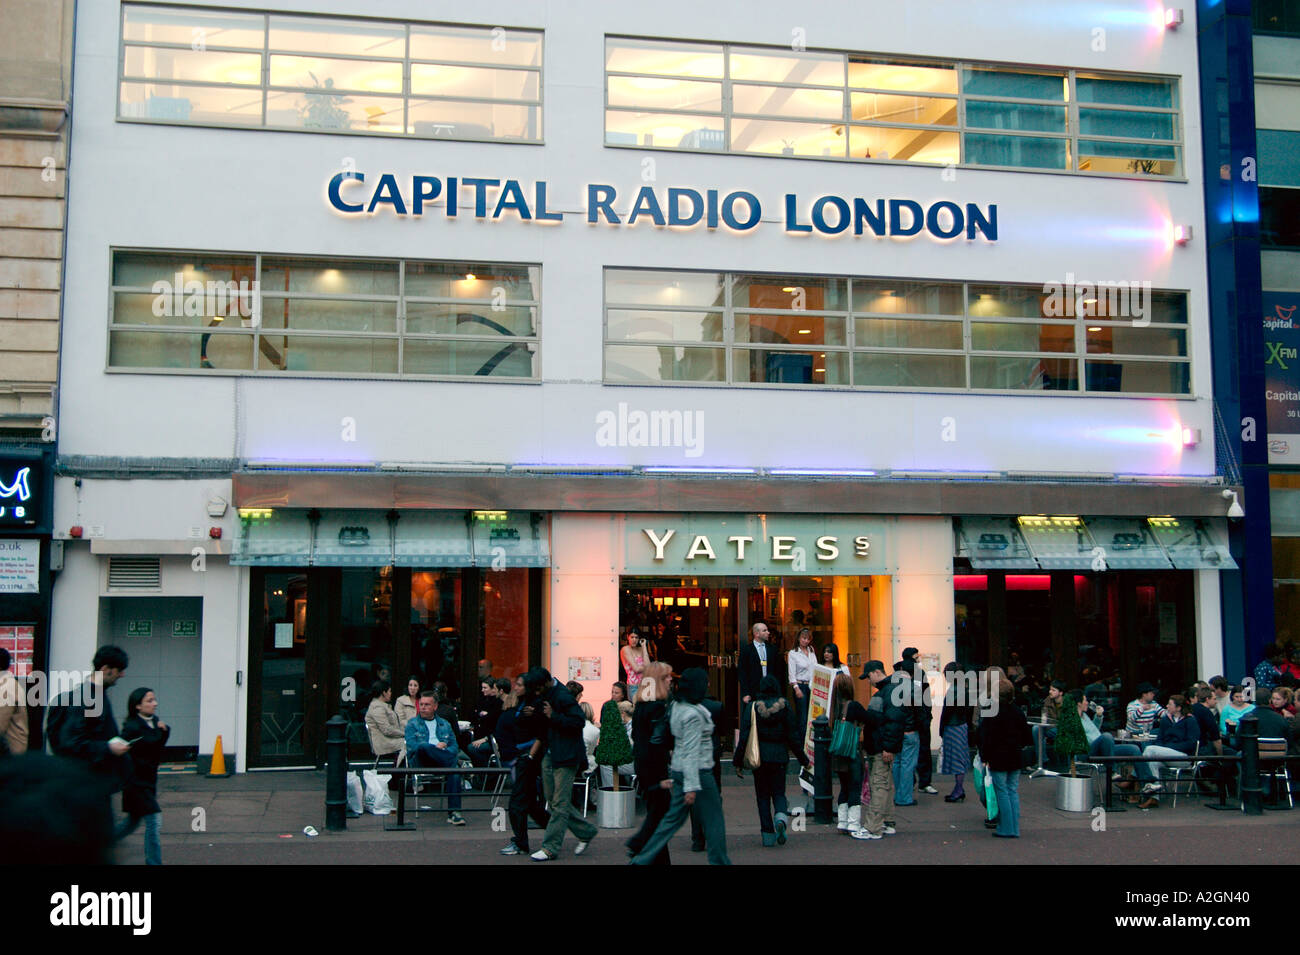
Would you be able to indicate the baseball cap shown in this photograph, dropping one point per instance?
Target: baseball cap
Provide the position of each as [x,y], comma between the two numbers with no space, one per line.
[870,666]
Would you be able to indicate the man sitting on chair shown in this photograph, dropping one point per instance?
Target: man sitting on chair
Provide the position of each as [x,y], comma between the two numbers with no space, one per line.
[430,741]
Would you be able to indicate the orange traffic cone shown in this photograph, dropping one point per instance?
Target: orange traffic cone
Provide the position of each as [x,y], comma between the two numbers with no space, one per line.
[218,767]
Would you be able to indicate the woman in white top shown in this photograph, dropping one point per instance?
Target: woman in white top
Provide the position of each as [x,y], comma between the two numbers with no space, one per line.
[831,658]
[634,657]
[799,664]
[590,733]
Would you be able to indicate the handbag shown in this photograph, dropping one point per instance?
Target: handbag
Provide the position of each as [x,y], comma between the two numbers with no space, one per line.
[752,758]
[844,739]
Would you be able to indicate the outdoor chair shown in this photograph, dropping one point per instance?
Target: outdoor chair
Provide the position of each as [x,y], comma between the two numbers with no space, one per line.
[1180,772]
[1272,763]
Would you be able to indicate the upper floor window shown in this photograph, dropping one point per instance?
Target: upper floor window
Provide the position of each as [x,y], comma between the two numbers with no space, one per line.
[326,74]
[725,98]
[235,313]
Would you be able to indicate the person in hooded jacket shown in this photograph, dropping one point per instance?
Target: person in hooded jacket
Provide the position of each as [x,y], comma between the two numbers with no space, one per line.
[771,717]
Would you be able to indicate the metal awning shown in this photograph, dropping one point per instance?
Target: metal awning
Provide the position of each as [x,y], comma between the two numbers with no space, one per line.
[993,543]
[1128,543]
[1195,543]
[1061,543]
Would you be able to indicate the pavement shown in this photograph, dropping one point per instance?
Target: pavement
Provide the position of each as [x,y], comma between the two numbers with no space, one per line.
[259,818]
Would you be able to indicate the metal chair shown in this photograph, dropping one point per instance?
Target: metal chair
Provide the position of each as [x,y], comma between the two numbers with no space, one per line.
[583,782]
[1272,750]
[1176,770]
[1098,774]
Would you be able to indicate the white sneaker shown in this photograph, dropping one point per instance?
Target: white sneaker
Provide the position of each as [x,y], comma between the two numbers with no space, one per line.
[863,834]
[929,789]
[541,855]
[889,830]
[580,848]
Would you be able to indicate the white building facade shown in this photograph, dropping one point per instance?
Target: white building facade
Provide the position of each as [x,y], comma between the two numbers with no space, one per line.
[394,342]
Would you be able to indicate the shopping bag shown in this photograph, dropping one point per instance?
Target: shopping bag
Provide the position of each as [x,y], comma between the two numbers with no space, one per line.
[990,797]
[378,802]
[752,758]
[356,796]
[866,787]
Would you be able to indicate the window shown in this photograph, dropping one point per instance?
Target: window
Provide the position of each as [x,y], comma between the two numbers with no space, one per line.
[725,98]
[912,334]
[1277,17]
[232,314]
[378,77]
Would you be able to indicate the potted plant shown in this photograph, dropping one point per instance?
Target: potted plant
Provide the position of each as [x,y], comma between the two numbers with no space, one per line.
[614,806]
[1073,790]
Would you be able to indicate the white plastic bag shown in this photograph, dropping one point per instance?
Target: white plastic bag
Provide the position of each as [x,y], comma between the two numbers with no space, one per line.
[356,796]
[378,801]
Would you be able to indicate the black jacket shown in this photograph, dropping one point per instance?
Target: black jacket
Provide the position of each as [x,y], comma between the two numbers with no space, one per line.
[1003,737]
[564,738]
[750,670]
[886,720]
[651,743]
[715,713]
[139,798]
[79,725]
[778,732]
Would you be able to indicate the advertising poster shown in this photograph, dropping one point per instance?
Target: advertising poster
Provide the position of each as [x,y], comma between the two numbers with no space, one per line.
[1282,376]
[819,704]
[20,564]
[584,669]
[20,641]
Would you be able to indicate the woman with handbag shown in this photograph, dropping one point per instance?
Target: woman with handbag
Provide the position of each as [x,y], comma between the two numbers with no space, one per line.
[846,755]
[651,746]
[768,725]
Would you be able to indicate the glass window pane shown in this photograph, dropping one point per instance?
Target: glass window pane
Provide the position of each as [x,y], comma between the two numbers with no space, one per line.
[1125,122]
[184,350]
[787,139]
[784,101]
[650,363]
[893,297]
[982,81]
[448,119]
[663,58]
[329,276]
[317,72]
[891,108]
[1139,377]
[795,292]
[896,333]
[654,92]
[357,356]
[785,330]
[647,325]
[900,370]
[1023,151]
[473,82]
[790,367]
[207,308]
[1021,336]
[1279,156]
[334,111]
[664,130]
[324,315]
[1024,374]
[1130,340]
[327,35]
[1039,119]
[191,104]
[900,143]
[178,25]
[1130,91]
[898,76]
[1012,301]
[505,359]
[467,319]
[633,287]
[478,281]
[143,269]
[1144,158]
[782,66]
[206,66]
[1169,307]
[476,45]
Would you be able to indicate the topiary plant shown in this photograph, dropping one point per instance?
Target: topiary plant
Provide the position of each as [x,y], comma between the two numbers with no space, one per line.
[614,749]
[1071,740]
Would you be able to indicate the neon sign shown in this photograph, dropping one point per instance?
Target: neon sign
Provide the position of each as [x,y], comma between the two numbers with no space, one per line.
[18,489]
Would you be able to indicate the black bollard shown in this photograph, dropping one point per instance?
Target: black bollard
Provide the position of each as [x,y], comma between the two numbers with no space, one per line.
[1251,790]
[821,770]
[336,774]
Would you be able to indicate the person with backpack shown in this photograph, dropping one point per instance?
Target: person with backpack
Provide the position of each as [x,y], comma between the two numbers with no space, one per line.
[770,717]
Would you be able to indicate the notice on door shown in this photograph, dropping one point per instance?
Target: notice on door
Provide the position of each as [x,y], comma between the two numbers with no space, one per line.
[20,566]
[20,641]
[284,636]
[584,669]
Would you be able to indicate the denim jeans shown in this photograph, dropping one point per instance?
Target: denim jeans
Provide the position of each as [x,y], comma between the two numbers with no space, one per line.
[1006,785]
[708,803]
[1173,756]
[769,790]
[152,835]
[905,768]
[430,755]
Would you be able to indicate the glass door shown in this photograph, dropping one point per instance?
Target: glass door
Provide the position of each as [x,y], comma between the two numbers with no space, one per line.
[284,705]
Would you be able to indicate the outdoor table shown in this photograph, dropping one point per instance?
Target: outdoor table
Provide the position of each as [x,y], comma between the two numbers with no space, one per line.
[1039,770]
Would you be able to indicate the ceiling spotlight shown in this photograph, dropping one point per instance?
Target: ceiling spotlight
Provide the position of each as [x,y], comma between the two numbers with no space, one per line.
[1235,510]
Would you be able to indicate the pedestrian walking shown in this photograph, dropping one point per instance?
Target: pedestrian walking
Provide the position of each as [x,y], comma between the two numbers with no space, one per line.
[772,719]
[521,735]
[691,774]
[565,757]
[714,706]
[80,724]
[147,734]
[651,748]
[954,729]
[924,756]
[882,740]
[903,687]
[1002,739]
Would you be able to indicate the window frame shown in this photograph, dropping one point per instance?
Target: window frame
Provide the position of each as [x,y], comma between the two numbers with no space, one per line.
[266,90]
[400,336]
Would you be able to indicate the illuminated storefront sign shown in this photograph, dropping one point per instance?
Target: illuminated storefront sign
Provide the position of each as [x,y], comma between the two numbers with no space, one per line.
[351,193]
[17,508]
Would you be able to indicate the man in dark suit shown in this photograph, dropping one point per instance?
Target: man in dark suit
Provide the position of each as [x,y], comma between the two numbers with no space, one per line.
[758,659]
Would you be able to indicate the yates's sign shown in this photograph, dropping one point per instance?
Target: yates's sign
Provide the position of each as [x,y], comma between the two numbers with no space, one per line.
[355,193]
